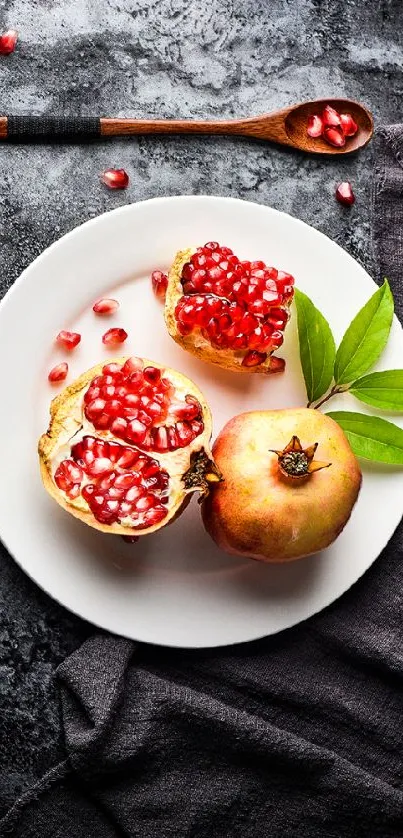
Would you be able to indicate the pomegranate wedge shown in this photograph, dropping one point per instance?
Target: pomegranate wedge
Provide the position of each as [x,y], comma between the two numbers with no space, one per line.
[222,309]
[127,445]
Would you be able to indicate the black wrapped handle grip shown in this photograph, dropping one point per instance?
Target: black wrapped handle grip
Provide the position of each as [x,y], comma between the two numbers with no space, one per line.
[37,129]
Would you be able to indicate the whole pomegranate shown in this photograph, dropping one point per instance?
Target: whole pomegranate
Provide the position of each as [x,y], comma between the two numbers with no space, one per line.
[127,444]
[227,311]
[278,502]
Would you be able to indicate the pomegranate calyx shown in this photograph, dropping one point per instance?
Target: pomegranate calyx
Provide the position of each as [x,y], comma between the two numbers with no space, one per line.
[201,473]
[297,462]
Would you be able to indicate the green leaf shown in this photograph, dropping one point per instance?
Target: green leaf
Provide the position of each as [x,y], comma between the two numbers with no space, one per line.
[317,348]
[371,437]
[380,389]
[365,338]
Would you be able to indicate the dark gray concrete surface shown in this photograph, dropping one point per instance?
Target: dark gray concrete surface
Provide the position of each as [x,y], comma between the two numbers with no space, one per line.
[164,58]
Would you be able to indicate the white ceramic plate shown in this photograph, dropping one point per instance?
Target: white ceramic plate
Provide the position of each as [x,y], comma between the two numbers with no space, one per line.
[175,588]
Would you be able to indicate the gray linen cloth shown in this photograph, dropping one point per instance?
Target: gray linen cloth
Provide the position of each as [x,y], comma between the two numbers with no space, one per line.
[296,735]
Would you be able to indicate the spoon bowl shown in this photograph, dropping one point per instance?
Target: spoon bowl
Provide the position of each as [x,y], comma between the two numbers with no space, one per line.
[296,121]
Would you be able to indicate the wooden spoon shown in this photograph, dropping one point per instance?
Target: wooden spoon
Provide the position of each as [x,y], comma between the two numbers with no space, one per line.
[287,127]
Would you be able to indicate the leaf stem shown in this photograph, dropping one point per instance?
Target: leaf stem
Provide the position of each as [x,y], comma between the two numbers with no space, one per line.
[333,392]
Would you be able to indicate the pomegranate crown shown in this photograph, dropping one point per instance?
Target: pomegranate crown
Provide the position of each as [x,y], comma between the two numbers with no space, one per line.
[298,462]
[202,473]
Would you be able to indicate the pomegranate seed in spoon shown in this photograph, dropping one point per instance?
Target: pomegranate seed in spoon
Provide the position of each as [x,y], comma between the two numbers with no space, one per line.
[105,306]
[331,118]
[58,373]
[348,125]
[334,136]
[315,126]
[345,194]
[8,41]
[68,339]
[115,178]
[114,336]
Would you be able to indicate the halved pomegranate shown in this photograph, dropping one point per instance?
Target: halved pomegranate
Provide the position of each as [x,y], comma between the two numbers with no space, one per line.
[127,445]
[227,311]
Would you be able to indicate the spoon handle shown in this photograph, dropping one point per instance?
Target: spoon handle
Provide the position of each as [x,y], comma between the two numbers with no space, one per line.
[33,129]
[266,127]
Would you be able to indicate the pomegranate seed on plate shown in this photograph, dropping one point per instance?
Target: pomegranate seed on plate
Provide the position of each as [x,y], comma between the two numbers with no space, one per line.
[68,339]
[345,194]
[315,126]
[348,125]
[130,539]
[113,337]
[335,137]
[8,41]
[105,306]
[115,178]
[58,373]
[159,282]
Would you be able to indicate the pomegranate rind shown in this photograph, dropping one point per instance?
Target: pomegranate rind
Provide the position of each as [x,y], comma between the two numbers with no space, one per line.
[66,420]
[195,343]
[257,513]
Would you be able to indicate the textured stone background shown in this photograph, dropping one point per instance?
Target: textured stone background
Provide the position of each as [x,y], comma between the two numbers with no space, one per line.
[164,58]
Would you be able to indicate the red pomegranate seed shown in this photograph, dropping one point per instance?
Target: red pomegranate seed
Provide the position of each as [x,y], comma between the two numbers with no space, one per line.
[100,466]
[115,178]
[105,306]
[160,283]
[8,42]
[154,516]
[88,491]
[335,137]
[161,439]
[132,364]
[348,125]
[113,337]
[152,375]
[345,194]
[136,431]
[277,339]
[185,433]
[130,539]
[173,439]
[111,369]
[145,503]
[58,373]
[133,494]
[68,477]
[315,126]
[119,427]
[330,118]
[276,364]
[127,458]
[253,358]
[69,340]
